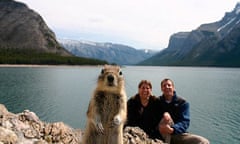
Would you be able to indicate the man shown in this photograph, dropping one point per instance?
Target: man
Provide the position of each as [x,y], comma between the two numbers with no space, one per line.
[178,108]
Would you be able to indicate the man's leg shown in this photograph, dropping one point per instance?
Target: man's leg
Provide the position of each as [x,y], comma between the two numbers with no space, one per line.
[187,138]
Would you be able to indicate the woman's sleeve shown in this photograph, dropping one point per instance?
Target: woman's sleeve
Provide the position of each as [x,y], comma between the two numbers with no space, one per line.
[131,113]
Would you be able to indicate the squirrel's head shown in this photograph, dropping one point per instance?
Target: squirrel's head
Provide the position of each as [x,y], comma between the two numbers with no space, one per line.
[111,76]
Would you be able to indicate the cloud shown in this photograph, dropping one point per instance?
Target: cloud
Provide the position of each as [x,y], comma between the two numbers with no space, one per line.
[138,23]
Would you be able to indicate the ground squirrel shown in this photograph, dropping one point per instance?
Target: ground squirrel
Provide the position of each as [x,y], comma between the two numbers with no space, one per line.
[107,109]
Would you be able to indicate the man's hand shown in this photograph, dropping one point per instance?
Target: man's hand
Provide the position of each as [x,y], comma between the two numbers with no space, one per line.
[165,129]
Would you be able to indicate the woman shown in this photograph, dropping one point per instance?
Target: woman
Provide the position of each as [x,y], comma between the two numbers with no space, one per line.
[142,110]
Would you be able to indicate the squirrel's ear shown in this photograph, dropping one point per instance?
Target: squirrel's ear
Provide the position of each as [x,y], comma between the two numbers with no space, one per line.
[102,71]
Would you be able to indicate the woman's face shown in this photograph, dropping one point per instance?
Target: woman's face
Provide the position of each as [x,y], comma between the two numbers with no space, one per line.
[145,91]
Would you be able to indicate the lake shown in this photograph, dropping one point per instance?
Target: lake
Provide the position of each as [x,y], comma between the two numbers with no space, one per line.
[62,93]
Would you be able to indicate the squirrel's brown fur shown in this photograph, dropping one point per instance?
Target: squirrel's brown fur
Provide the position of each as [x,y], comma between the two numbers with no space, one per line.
[107,109]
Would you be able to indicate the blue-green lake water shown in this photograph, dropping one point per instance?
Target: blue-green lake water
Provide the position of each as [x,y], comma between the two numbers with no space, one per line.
[63,93]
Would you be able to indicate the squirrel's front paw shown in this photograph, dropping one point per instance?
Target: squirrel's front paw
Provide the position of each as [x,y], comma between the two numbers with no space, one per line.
[116,120]
[100,128]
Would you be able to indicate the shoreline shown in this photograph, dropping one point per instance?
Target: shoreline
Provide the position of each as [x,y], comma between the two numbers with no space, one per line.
[42,66]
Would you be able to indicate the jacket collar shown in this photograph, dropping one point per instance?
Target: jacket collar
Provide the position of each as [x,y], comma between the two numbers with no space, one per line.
[173,98]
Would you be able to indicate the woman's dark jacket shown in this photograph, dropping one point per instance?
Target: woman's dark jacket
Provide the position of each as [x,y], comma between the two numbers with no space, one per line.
[143,117]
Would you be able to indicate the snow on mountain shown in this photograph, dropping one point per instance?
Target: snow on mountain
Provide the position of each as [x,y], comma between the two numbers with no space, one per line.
[113,53]
[219,29]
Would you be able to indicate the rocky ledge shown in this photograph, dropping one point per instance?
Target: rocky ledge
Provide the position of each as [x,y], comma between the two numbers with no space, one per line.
[27,128]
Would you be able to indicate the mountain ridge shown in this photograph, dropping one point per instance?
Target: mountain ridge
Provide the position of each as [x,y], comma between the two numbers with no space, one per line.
[211,44]
[113,53]
[25,38]
[23,28]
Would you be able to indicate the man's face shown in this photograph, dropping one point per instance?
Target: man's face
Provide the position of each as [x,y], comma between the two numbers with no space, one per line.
[167,88]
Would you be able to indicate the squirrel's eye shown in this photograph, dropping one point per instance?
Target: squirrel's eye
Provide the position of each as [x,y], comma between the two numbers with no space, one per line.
[120,73]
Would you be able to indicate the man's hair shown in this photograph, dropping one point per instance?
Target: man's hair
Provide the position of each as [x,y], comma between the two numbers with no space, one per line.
[145,82]
[166,79]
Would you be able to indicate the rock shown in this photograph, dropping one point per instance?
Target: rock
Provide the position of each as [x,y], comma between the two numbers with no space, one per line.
[27,128]
[135,135]
[7,136]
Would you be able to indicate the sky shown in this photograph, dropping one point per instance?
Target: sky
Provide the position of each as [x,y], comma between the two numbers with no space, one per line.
[142,24]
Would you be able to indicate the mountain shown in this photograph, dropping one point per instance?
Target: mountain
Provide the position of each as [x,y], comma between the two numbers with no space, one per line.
[212,44]
[22,28]
[112,53]
[25,38]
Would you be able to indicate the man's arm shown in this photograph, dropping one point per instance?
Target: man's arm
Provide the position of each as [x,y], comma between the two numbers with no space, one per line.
[182,124]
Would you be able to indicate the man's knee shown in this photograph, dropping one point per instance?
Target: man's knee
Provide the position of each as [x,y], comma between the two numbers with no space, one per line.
[201,140]
[188,138]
